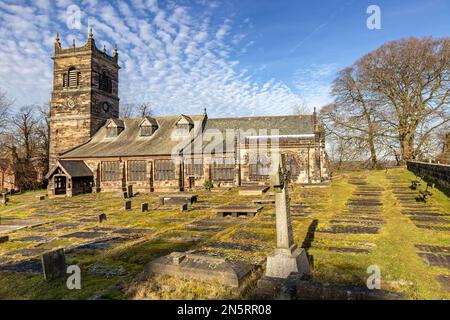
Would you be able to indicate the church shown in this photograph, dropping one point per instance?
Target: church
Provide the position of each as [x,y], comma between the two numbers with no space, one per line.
[93,150]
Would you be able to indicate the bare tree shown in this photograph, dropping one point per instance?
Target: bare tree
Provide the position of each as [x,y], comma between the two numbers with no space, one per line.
[144,109]
[353,116]
[130,110]
[5,104]
[411,78]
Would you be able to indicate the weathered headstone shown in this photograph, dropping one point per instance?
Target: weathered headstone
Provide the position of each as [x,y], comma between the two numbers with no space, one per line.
[127,204]
[102,218]
[183,207]
[4,199]
[144,207]
[287,257]
[54,264]
[130,190]
[125,195]
[4,239]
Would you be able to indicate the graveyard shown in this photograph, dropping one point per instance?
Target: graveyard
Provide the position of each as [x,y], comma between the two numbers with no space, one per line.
[360,219]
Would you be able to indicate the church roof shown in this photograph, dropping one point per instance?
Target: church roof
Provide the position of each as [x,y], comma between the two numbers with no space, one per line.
[73,168]
[130,143]
[286,125]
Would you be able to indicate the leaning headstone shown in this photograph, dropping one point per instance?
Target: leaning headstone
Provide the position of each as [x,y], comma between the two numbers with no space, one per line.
[54,264]
[144,207]
[183,207]
[287,257]
[127,204]
[102,218]
[130,190]
[4,239]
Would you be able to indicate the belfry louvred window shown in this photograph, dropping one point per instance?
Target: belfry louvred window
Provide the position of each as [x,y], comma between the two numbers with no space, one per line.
[73,77]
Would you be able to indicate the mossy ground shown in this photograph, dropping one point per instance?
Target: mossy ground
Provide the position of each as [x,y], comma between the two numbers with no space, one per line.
[167,230]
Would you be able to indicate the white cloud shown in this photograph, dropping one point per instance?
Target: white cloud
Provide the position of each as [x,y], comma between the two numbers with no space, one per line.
[169,55]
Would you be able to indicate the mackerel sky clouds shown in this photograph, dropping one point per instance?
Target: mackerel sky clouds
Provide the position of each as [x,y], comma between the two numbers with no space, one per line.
[233,57]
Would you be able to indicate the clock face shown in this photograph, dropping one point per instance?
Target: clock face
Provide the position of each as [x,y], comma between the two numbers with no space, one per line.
[105,106]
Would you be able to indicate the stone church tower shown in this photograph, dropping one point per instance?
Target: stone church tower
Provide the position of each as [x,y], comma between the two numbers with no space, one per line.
[85,94]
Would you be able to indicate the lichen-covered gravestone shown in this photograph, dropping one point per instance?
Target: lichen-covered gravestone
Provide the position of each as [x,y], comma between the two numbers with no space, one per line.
[54,264]
[287,257]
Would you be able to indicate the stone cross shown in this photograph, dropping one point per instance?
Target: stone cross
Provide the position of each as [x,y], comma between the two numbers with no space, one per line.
[287,258]
[279,180]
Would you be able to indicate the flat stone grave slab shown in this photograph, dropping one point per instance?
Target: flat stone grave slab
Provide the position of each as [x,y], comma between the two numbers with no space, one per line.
[344,249]
[133,231]
[252,190]
[171,220]
[358,222]
[364,203]
[84,235]
[436,260]
[357,217]
[177,199]
[434,228]
[367,194]
[204,229]
[236,210]
[430,219]
[34,239]
[425,213]
[433,249]
[211,222]
[176,236]
[68,225]
[103,244]
[236,246]
[29,266]
[349,229]
[27,252]
[263,201]
[444,281]
[200,267]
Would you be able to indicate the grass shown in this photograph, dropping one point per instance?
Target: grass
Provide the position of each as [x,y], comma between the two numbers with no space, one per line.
[393,250]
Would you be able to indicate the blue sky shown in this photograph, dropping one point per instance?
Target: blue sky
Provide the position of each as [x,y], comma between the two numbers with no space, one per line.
[233,57]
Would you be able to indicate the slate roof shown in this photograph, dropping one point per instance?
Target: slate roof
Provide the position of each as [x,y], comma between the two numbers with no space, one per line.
[74,168]
[130,143]
[287,125]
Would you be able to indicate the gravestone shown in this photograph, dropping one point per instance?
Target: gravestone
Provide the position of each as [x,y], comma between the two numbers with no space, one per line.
[183,207]
[144,207]
[130,191]
[127,205]
[102,218]
[4,239]
[54,264]
[4,199]
[287,257]
[125,195]
[201,267]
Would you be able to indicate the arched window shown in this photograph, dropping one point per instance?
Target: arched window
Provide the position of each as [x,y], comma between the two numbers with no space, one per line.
[104,82]
[72,78]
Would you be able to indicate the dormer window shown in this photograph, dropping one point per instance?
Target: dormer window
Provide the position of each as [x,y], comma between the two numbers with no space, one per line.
[114,128]
[148,126]
[184,126]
